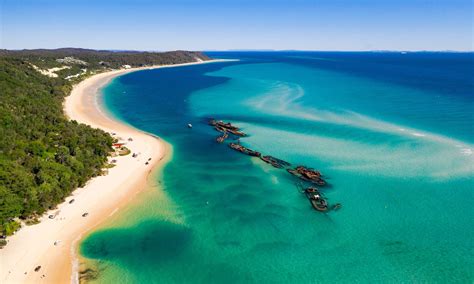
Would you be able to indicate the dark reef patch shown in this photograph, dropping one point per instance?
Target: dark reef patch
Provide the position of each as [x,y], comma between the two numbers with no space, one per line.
[155,241]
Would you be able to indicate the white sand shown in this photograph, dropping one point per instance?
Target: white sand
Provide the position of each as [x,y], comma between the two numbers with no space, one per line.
[50,72]
[34,245]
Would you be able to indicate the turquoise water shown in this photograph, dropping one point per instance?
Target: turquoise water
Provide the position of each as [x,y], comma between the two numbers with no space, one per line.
[392,133]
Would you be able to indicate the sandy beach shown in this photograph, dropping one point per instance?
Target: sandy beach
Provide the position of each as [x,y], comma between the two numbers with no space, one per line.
[51,244]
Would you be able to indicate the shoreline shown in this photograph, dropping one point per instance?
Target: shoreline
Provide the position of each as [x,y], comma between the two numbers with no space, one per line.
[51,243]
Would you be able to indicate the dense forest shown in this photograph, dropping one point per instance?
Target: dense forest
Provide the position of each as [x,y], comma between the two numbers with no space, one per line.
[104,58]
[44,156]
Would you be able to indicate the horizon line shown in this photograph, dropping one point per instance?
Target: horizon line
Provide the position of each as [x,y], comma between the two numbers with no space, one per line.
[248,50]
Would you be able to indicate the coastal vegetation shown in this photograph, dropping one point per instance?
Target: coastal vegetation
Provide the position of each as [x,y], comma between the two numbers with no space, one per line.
[124,151]
[43,155]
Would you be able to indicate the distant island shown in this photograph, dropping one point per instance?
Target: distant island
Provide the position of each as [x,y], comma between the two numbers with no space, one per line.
[43,155]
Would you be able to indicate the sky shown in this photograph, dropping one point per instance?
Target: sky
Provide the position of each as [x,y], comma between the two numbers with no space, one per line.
[238,24]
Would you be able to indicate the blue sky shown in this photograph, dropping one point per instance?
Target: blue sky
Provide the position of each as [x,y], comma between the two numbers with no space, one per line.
[238,24]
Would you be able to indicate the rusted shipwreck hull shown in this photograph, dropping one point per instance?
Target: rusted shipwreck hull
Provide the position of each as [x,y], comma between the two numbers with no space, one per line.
[308,174]
[244,150]
[277,163]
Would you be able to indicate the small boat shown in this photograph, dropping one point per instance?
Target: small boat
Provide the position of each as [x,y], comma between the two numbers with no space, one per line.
[190,125]
[244,150]
[85,214]
[71,201]
[37,268]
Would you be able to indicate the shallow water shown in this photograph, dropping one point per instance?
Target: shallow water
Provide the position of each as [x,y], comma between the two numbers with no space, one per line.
[392,133]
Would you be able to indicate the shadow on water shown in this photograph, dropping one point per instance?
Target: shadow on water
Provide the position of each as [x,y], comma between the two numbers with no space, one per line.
[154,241]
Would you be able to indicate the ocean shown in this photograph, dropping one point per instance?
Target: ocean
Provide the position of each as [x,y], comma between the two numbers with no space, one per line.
[392,134]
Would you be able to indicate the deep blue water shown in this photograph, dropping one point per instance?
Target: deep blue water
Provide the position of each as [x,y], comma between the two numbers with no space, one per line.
[393,134]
